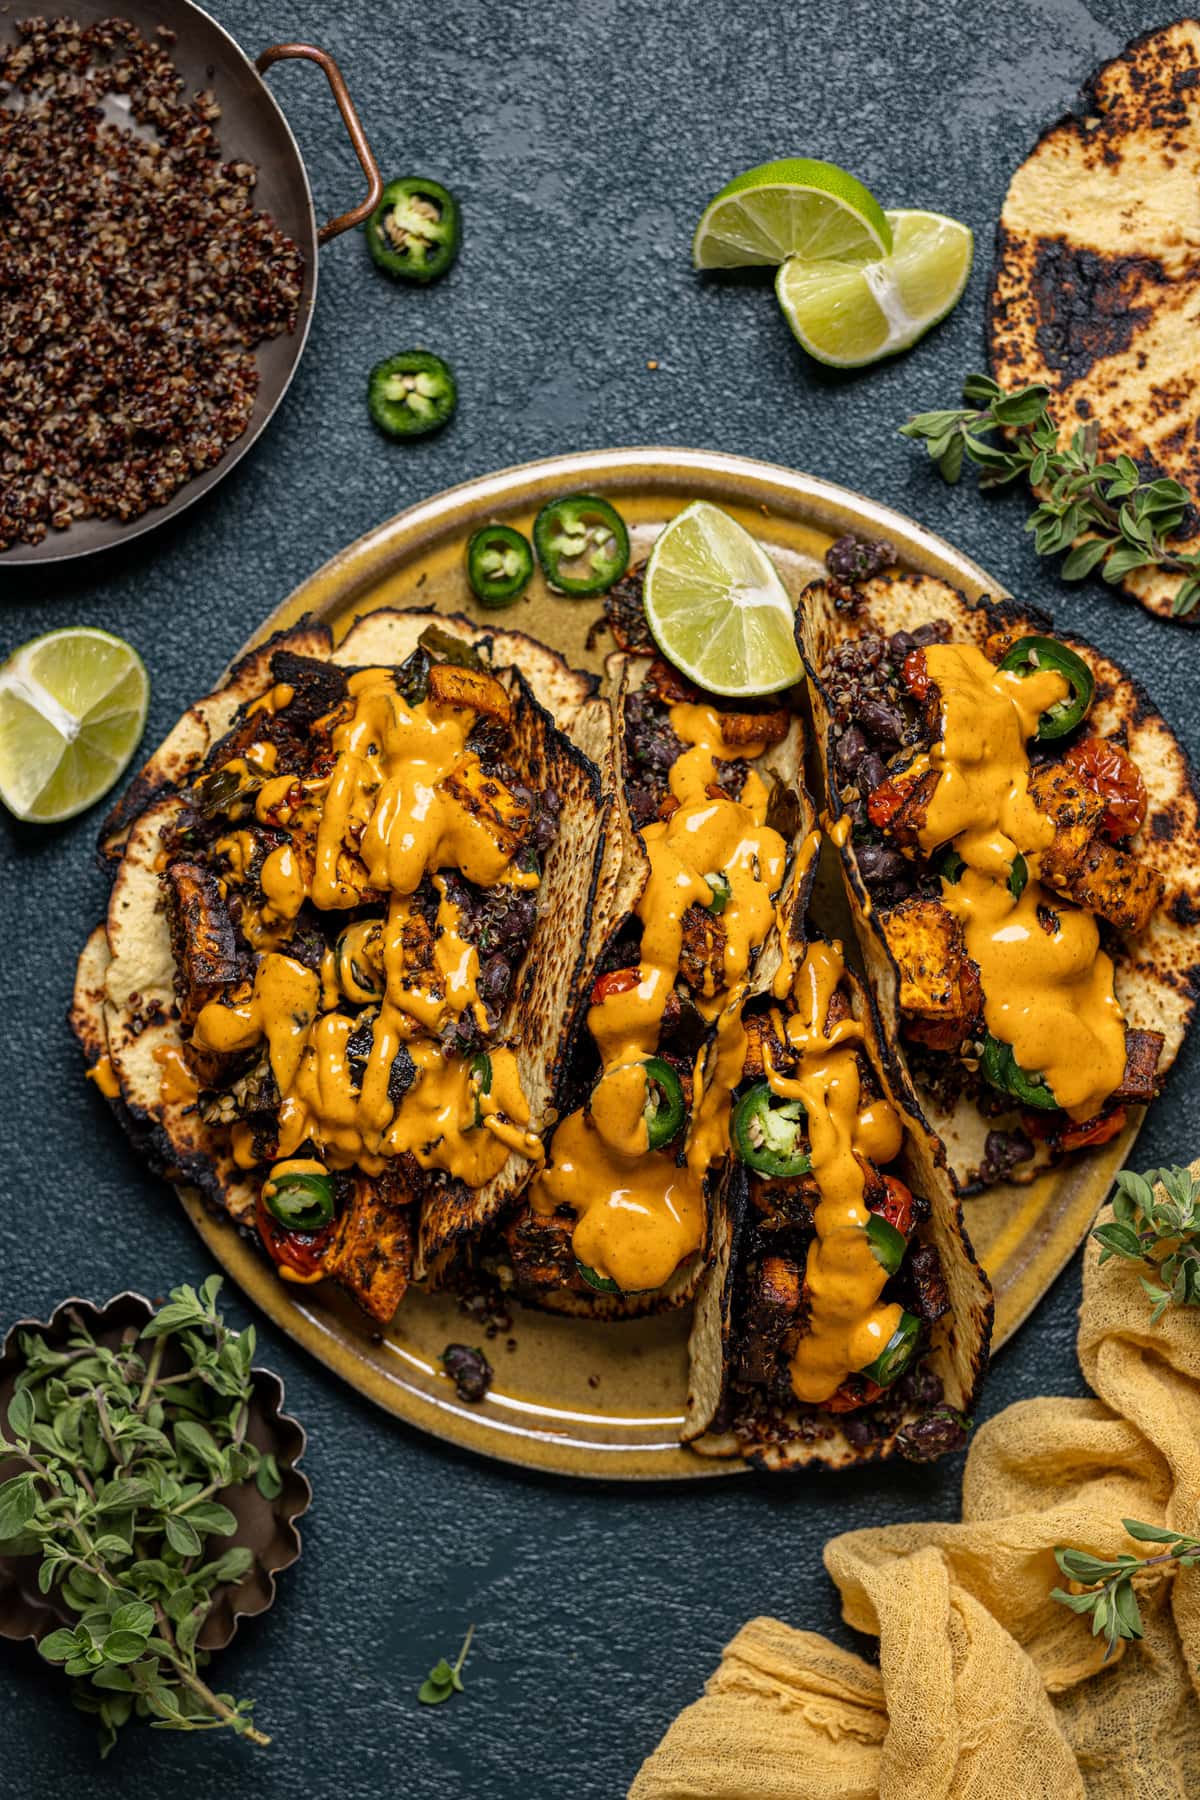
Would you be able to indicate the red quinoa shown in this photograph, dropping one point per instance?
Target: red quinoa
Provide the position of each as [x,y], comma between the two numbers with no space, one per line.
[135,280]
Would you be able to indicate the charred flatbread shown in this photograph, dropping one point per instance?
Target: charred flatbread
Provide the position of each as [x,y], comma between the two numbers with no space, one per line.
[1096,290]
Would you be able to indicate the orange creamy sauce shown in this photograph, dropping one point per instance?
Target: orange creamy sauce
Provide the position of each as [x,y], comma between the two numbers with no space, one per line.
[381,820]
[638,1214]
[847,1326]
[1049,995]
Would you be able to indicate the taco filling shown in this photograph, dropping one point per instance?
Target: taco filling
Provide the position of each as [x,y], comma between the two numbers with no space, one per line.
[621,1206]
[351,887]
[834,1339]
[991,833]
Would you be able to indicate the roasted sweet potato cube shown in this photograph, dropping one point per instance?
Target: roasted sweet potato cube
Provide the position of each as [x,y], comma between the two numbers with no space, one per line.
[371,1257]
[702,957]
[763,1045]
[505,818]
[773,1308]
[1105,879]
[765,728]
[1140,1080]
[927,943]
[202,937]
[470,690]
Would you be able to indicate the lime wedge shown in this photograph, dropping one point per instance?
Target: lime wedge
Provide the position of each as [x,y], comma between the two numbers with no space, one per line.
[72,710]
[716,605]
[847,313]
[797,207]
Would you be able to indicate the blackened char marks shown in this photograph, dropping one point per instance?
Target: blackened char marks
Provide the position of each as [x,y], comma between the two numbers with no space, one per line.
[1085,304]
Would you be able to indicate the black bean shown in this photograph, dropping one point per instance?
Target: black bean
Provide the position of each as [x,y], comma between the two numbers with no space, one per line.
[884,722]
[469,1370]
[852,747]
[877,863]
[938,1434]
[870,773]
[494,978]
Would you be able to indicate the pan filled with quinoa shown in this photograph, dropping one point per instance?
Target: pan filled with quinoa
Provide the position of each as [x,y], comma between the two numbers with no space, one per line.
[158,266]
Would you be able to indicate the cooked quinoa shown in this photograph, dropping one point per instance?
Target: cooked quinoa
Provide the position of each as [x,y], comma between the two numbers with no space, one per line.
[135,280]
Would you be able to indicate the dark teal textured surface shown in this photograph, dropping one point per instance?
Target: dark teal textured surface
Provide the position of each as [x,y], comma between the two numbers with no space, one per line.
[583,138]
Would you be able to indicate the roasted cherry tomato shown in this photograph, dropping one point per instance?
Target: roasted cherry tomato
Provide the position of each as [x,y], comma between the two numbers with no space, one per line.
[1104,767]
[1099,1130]
[896,1206]
[852,1394]
[1080,1136]
[299,1255]
[620,981]
[915,675]
[884,802]
[1032,655]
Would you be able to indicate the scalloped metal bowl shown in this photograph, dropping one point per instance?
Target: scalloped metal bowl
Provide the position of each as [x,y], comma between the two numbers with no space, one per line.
[267,1527]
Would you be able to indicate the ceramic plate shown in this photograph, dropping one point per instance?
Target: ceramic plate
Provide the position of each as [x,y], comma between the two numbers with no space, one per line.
[573,1397]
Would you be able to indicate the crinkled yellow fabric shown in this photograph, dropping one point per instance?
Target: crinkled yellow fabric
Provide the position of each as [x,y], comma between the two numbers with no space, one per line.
[986,1688]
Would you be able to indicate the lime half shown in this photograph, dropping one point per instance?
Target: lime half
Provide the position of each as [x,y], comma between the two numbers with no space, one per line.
[847,313]
[716,605]
[797,207]
[72,710]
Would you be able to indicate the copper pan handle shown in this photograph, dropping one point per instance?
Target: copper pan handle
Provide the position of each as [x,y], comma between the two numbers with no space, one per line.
[358,137]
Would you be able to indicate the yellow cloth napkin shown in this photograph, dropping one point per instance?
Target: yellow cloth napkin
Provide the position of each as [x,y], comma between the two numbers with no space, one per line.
[986,1688]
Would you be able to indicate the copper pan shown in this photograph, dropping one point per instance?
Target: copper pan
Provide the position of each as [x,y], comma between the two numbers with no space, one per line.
[252,127]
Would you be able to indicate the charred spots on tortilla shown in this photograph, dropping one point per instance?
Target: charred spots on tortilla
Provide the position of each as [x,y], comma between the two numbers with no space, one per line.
[469,1369]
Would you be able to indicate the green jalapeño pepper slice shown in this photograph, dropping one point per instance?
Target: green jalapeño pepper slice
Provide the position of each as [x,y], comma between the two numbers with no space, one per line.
[1001,1068]
[411,393]
[414,231]
[887,1244]
[1030,654]
[582,544]
[299,1201]
[767,1133]
[499,565]
[896,1354]
[719,889]
[479,1076]
[664,1111]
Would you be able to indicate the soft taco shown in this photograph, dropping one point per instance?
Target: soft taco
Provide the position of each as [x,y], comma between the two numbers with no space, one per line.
[1020,841]
[716,823]
[844,1316]
[352,912]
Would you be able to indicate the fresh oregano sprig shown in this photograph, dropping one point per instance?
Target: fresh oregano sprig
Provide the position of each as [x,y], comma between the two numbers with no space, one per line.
[444,1678]
[1108,1585]
[1163,1235]
[1101,513]
[125,1451]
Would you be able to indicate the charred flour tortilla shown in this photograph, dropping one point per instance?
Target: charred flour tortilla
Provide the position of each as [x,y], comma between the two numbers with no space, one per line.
[1096,290]
[126,1011]
[576,885]
[1156,971]
[537,1255]
[739,1400]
